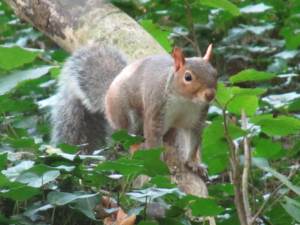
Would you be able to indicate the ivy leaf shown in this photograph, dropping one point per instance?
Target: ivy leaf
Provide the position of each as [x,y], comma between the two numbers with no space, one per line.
[38,176]
[14,57]
[160,35]
[251,75]
[63,198]
[223,4]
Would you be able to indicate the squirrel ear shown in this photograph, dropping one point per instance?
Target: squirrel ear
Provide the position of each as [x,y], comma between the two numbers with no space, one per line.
[178,58]
[208,55]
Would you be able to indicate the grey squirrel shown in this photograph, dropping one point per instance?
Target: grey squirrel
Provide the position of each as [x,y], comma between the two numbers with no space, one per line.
[151,97]
[77,115]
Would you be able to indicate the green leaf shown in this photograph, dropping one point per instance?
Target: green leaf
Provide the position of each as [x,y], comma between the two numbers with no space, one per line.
[18,192]
[3,161]
[63,198]
[87,206]
[282,178]
[125,139]
[223,4]
[153,165]
[162,182]
[251,75]
[277,215]
[277,126]
[14,57]
[266,148]
[292,207]
[205,207]
[11,80]
[200,206]
[214,147]
[13,172]
[158,34]
[294,106]
[34,209]
[248,103]
[221,190]
[6,221]
[124,166]
[38,176]
[148,222]
[257,8]
[224,94]
[15,105]
[150,193]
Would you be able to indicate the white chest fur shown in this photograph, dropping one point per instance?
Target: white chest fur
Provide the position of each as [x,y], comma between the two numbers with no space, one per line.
[182,113]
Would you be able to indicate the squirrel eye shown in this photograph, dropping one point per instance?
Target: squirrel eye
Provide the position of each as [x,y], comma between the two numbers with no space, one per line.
[188,76]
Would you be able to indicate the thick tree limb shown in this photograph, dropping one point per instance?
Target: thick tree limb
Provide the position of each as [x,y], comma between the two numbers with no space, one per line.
[72,23]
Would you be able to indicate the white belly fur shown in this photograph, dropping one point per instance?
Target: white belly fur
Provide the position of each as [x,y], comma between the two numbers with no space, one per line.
[181,113]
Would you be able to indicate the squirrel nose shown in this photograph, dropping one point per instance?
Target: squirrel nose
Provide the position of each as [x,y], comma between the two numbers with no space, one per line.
[209,94]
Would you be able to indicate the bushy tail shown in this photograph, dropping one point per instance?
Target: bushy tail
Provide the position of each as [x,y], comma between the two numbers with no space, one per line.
[78,112]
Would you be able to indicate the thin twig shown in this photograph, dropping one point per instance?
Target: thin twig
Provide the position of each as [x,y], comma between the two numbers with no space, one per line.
[246,170]
[236,173]
[265,204]
[190,22]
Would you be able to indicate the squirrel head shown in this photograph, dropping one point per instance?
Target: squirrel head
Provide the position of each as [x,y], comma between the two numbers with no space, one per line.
[195,78]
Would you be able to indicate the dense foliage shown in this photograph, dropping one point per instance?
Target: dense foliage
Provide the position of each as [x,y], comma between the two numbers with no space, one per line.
[256,52]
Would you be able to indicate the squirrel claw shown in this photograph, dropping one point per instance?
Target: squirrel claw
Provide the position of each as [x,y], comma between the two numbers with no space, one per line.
[198,168]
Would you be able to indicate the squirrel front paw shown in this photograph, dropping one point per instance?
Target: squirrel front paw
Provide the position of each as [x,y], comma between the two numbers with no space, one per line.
[198,168]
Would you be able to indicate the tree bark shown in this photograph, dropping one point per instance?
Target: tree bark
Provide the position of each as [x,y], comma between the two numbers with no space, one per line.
[73,23]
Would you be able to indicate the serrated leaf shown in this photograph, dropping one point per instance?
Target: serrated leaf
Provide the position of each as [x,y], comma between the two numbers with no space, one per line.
[14,57]
[251,75]
[223,4]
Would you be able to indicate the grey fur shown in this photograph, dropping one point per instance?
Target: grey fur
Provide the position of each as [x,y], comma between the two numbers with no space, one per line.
[78,113]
